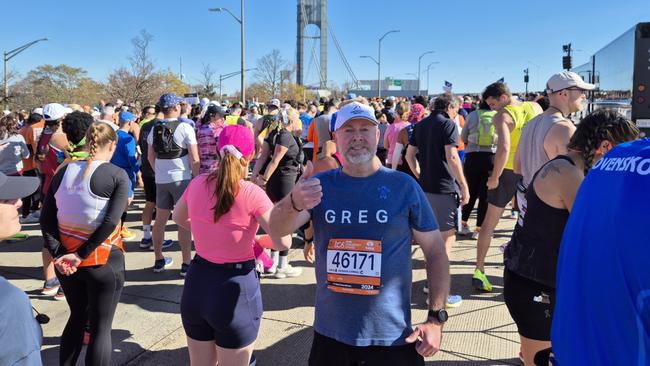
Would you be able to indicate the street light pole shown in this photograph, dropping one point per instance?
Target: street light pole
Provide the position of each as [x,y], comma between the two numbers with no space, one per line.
[8,56]
[241,23]
[379,61]
[420,60]
[223,77]
[428,68]
[376,62]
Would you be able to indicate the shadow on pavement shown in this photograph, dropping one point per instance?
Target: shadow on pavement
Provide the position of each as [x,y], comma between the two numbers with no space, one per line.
[283,296]
[290,350]
[124,352]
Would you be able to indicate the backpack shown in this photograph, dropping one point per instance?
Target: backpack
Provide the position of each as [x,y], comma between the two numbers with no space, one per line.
[163,140]
[486,131]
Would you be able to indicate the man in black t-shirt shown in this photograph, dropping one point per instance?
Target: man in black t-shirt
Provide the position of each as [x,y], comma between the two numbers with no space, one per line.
[435,142]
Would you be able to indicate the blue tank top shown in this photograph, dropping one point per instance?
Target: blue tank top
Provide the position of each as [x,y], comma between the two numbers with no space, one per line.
[602,313]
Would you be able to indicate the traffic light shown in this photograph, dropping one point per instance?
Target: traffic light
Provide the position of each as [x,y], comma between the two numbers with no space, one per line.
[566,62]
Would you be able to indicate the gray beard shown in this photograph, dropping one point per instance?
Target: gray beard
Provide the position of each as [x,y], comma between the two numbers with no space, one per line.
[360,158]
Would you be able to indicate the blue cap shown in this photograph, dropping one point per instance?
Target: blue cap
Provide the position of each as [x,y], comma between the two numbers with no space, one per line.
[126,116]
[351,96]
[169,100]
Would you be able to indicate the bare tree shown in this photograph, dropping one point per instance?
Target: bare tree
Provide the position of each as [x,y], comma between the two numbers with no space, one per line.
[207,80]
[141,82]
[270,71]
[141,63]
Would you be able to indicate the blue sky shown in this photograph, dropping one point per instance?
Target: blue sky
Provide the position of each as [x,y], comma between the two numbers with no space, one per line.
[475,42]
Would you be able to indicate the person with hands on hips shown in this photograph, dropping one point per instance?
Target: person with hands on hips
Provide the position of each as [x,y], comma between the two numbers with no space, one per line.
[80,224]
[365,217]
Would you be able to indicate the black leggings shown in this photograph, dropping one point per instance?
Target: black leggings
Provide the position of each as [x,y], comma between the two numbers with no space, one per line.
[278,186]
[477,168]
[31,202]
[92,294]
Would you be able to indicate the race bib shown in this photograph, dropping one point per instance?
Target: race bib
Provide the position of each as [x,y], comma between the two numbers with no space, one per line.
[354,266]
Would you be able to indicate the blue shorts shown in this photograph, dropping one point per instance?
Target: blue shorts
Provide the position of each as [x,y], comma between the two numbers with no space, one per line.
[222,303]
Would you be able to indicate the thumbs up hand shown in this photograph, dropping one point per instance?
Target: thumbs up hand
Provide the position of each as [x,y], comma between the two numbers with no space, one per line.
[307,192]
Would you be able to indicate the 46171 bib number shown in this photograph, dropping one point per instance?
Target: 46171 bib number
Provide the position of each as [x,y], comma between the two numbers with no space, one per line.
[354,266]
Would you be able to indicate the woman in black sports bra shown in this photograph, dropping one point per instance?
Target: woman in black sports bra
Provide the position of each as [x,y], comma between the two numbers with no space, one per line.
[531,256]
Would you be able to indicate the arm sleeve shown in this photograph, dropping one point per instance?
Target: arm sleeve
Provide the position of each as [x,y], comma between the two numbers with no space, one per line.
[49,220]
[421,216]
[107,181]
[450,133]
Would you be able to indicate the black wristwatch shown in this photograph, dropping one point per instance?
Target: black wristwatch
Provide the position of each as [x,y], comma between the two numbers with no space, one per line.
[440,316]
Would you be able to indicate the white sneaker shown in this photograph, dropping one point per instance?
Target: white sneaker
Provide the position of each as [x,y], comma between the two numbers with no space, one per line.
[288,271]
[474,235]
[425,289]
[465,230]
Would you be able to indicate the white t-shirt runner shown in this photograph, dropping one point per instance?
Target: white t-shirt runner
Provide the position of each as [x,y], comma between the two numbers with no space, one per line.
[175,170]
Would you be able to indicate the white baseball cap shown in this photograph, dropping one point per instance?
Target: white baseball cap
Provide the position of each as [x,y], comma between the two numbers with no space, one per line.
[54,111]
[565,80]
[354,110]
[38,110]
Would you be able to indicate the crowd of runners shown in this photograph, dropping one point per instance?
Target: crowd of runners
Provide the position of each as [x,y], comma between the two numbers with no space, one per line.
[359,181]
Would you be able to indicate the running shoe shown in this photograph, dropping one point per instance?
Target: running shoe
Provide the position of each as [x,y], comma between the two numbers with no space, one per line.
[454,301]
[161,264]
[127,234]
[465,230]
[474,235]
[480,281]
[50,287]
[59,296]
[271,270]
[148,243]
[253,360]
[184,268]
[288,271]
[30,219]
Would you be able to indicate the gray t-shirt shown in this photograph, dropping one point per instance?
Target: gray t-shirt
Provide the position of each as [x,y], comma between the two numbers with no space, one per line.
[12,152]
[20,334]
[470,134]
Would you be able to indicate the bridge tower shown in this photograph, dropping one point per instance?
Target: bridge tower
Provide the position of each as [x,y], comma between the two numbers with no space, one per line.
[312,12]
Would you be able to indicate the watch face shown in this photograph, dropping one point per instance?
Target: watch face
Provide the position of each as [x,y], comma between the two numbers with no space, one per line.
[442,315]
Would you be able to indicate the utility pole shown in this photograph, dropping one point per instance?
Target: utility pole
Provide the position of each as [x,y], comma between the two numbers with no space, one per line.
[526,79]
[379,61]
